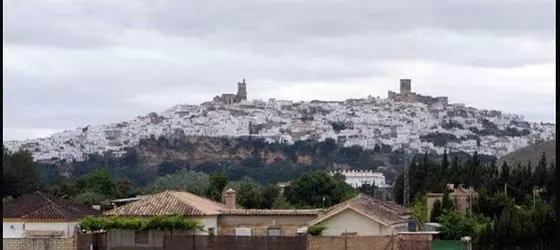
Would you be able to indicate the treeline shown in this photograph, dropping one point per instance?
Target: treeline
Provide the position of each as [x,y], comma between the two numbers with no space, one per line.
[318,156]
[131,176]
[300,157]
[515,205]
[22,176]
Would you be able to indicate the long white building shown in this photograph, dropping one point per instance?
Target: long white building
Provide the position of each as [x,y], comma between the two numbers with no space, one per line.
[357,178]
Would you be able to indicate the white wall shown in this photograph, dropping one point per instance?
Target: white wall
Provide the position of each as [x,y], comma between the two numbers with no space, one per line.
[208,222]
[16,229]
[12,229]
[351,221]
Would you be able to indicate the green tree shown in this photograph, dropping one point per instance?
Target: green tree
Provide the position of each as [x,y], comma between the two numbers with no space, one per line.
[98,181]
[89,198]
[269,194]
[249,195]
[454,170]
[420,209]
[455,225]
[398,189]
[436,211]
[64,187]
[541,171]
[190,181]
[19,174]
[318,189]
[281,203]
[166,168]
[444,165]
[218,183]
[446,203]
[50,173]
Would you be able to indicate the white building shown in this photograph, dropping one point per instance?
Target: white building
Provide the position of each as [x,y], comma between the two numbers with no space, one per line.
[42,215]
[357,178]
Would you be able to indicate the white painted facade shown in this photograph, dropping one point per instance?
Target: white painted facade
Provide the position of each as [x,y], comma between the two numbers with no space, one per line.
[17,229]
[350,221]
[357,178]
[208,222]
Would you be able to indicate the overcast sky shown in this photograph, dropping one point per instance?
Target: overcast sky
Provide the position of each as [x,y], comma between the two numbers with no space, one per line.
[77,62]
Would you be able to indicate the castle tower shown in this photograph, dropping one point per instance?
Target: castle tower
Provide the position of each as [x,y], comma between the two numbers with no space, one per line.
[242,90]
[405,86]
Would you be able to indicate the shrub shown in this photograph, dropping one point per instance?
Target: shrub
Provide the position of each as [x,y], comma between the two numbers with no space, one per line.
[316,230]
[93,224]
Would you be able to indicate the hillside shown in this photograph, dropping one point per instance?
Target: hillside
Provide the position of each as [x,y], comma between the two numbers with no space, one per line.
[364,122]
[531,153]
[241,157]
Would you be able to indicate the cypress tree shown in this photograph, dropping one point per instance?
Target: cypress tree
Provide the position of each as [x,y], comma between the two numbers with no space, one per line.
[436,211]
[447,203]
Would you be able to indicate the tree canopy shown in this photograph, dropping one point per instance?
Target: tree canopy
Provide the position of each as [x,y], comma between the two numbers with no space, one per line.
[318,189]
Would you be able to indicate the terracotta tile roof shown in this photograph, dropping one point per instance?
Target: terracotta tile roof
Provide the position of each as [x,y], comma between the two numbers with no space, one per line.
[168,203]
[385,212]
[41,233]
[41,206]
[264,212]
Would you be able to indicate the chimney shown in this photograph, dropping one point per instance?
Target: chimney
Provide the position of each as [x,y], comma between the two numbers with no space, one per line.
[229,198]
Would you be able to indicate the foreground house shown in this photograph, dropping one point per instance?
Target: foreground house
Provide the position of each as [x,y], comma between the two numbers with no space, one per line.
[362,215]
[216,218]
[42,215]
[365,216]
[219,218]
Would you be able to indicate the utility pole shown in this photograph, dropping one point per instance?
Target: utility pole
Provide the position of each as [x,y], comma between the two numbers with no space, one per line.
[406,196]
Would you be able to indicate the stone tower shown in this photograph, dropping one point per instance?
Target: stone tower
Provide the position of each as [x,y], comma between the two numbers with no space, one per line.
[242,90]
[405,86]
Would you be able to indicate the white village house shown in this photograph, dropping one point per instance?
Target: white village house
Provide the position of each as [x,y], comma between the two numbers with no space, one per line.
[357,178]
[42,215]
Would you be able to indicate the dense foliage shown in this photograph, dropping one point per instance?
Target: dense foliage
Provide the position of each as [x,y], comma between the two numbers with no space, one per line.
[191,181]
[515,205]
[318,189]
[316,230]
[93,224]
[20,174]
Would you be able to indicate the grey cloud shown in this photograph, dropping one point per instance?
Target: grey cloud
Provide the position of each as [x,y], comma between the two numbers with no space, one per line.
[67,24]
[90,23]
[338,18]
[73,63]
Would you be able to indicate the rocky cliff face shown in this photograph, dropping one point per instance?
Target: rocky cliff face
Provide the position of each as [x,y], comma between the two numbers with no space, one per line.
[195,150]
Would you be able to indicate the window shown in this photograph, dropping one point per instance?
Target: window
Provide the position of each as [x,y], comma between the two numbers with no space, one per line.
[274,232]
[242,231]
[142,238]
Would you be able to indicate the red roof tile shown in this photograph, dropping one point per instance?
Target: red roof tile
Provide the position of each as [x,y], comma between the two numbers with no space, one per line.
[264,212]
[41,206]
[388,213]
[169,203]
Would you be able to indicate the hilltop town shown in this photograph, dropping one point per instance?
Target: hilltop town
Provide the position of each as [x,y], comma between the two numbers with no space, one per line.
[419,123]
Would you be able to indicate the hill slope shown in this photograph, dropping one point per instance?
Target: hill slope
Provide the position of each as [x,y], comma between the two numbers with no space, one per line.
[531,153]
